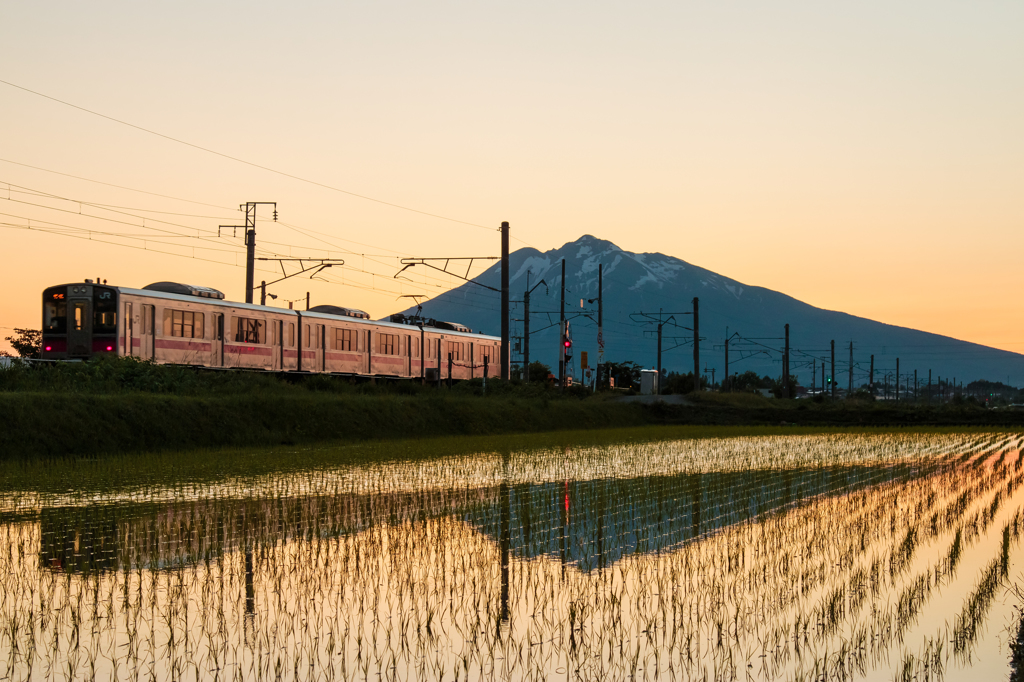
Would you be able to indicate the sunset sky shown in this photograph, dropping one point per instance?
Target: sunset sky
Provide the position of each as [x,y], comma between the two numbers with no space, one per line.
[865,157]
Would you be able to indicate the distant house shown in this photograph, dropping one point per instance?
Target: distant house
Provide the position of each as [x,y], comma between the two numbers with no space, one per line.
[766,392]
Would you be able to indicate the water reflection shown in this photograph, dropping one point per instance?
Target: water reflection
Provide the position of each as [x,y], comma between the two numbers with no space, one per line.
[792,573]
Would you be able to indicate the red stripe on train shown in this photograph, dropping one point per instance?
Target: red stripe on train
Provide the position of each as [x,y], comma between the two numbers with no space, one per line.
[182,345]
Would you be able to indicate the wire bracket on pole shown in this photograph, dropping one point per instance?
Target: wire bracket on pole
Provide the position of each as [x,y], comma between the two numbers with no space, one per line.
[429,262]
[316,265]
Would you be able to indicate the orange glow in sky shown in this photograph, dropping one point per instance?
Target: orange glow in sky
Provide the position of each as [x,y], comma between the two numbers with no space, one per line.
[863,157]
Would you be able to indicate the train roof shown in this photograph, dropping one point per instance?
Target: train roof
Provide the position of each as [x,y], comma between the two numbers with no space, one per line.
[284,311]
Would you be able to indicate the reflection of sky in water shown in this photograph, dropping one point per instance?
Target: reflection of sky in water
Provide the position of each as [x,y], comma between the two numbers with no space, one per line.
[681,571]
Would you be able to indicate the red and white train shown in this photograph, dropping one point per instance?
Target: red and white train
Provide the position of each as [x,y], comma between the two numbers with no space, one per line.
[172,323]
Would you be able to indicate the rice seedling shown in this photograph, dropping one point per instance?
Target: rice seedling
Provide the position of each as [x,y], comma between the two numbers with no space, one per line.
[773,557]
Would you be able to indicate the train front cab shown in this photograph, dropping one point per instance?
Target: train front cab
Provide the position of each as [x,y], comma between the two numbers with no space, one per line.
[79,321]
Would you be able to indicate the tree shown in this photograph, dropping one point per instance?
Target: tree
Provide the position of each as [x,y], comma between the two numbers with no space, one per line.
[626,373]
[539,372]
[27,342]
[678,383]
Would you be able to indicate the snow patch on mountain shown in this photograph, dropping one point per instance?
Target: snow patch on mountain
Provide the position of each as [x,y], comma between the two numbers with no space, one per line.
[536,264]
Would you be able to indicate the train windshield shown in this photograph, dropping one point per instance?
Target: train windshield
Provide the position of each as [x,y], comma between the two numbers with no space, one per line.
[104,311]
[55,311]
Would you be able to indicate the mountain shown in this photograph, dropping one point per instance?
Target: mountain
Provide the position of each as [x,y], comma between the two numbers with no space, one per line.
[653,282]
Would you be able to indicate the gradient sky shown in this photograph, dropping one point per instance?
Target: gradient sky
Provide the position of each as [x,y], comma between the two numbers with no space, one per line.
[864,157]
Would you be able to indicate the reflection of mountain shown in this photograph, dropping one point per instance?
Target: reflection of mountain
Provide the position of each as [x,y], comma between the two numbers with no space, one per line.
[593,524]
[588,524]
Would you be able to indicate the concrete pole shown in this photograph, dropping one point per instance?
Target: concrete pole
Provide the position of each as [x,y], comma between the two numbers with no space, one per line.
[849,390]
[726,380]
[505,355]
[785,368]
[833,369]
[659,357]
[561,334]
[526,330]
[696,344]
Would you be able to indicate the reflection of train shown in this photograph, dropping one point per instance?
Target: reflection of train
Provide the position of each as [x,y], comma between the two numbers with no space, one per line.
[176,323]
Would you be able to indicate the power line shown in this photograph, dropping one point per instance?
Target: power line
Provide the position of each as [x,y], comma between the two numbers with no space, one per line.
[240,160]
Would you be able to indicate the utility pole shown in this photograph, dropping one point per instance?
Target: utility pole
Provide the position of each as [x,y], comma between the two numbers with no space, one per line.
[726,380]
[871,376]
[505,356]
[250,242]
[696,346]
[897,379]
[526,330]
[561,325]
[833,369]
[660,324]
[814,373]
[823,375]
[600,324]
[785,367]
[849,391]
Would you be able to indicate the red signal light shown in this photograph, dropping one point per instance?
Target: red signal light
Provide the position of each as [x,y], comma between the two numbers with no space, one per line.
[110,348]
[49,348]
[568,343]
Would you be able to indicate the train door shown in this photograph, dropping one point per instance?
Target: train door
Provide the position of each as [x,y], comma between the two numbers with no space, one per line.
[129,330]
[218,340]
[321,347]
[147,342]
[280,345]
[79,329]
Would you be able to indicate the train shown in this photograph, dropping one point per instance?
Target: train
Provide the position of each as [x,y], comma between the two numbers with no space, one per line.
[182,324]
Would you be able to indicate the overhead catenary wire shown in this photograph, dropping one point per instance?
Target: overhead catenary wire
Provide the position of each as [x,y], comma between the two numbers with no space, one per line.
[239,159]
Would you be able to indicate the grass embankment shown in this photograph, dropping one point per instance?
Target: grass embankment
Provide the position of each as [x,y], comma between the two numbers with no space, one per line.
[120,406]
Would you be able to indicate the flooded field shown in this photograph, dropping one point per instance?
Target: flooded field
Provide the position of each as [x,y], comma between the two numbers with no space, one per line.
[835,556]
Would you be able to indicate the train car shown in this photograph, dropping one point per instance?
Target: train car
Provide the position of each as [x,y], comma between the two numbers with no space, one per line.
[174,323]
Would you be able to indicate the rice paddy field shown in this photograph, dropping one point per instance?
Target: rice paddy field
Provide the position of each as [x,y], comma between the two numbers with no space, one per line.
[815,556]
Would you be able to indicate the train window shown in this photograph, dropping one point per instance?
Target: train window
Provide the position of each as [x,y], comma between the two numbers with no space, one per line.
[305,336]
[414,347]
[55,317]
[248,330]
[291,334]
[456,350]
[387,344]
[186,324]
[104,305]
[79,316]
[344,339]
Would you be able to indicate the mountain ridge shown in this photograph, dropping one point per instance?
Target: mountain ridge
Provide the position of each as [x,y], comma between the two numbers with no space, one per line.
[649,282]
